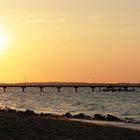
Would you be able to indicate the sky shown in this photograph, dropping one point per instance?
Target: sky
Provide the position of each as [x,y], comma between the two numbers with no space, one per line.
[70,40]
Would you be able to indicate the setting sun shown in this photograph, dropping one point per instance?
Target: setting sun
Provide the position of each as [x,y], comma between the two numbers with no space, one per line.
[4,38]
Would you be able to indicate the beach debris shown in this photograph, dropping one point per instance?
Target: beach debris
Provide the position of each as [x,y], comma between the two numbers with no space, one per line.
[99,117]
[109,117]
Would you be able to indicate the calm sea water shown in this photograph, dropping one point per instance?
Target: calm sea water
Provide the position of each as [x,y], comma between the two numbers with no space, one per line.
[121,104]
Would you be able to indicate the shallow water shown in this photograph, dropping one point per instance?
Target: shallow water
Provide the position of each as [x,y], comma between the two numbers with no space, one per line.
[121,104]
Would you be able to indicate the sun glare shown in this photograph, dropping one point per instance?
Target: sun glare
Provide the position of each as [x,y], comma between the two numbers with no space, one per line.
[4,38]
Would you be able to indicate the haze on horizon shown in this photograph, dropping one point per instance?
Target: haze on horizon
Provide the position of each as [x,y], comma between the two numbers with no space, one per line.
[70,40]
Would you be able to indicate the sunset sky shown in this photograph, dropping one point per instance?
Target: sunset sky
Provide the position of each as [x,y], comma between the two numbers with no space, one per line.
[70,40]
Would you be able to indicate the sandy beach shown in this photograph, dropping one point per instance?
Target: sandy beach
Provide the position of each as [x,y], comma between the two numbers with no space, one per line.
[18,126]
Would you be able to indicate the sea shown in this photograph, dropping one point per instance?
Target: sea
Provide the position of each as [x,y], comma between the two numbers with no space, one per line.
[120,104]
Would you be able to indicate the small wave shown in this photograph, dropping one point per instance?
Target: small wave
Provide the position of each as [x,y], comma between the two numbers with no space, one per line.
[21,106]
[125,113]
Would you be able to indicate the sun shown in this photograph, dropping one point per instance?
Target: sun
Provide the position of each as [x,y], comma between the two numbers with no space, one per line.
[4,38]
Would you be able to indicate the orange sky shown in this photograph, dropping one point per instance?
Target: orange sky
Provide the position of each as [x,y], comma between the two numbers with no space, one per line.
[70,40]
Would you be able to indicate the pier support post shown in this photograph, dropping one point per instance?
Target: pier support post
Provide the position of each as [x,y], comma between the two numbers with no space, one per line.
[112,89]
[120,88]
[93,88]
[59,89]
[108,89]
[23,89]
[4,89]
[133,89]
[76,89]
[126,88]
[41,89]
[100,89]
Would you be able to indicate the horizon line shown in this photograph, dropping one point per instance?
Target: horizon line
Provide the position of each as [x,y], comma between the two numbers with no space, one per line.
[71,82]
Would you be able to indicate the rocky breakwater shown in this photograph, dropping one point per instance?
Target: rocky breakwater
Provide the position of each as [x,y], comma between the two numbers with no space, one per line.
[107,117]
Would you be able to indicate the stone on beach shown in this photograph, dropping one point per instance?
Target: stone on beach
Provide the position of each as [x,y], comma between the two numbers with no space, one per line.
[29,112]
[112,118]
[20,112]
[80,116]
[68,115]
[77,116]
[8,109]
[12,111]
[45,114]
[99,117]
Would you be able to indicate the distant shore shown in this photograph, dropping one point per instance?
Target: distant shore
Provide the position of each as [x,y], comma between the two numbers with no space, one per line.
[29,126]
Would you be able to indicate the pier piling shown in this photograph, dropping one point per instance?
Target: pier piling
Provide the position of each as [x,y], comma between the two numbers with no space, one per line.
[23,89]
[76,89]
[59,89]
[93,89]
[4,89]
[133,89]
[41,88]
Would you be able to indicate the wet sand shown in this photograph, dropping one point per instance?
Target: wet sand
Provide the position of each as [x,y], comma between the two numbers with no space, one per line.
[15,126]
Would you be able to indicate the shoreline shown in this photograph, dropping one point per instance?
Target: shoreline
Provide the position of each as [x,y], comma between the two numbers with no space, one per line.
[100,119]
[19,125]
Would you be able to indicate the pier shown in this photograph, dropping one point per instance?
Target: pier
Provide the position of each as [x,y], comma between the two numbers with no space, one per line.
[106,87]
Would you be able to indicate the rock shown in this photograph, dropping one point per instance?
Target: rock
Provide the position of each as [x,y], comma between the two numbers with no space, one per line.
[12,111]
[42,114]
[50,115]
[1,110]
[112,118]
[6,109]
[29,112]
[88,117]
[99,117]
[46,114]
[80,116]
[68,115]
[20,112]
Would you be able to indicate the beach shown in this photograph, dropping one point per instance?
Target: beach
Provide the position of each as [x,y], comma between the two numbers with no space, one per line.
[28,126]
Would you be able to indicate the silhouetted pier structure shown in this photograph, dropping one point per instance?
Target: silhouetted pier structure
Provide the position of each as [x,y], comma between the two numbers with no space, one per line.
[108,87]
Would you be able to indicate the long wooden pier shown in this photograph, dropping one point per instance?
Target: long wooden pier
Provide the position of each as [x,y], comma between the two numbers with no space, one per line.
[110,87]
